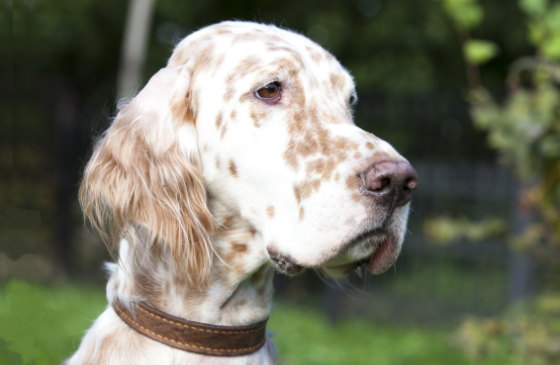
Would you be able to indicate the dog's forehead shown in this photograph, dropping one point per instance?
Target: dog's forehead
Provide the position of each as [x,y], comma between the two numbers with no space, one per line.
[253,52]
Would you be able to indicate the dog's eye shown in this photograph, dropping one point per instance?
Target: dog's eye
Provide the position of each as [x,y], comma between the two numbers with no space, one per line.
[353,99]
[270,92]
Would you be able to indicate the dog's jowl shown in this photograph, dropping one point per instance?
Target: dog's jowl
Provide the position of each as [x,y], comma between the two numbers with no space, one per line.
[238,159]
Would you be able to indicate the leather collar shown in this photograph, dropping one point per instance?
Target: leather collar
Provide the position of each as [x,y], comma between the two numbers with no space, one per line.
[191,336]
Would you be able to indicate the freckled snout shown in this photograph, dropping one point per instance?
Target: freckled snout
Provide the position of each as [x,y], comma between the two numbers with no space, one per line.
[391,183]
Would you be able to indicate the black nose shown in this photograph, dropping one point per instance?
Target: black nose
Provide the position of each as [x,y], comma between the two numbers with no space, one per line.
[391,182]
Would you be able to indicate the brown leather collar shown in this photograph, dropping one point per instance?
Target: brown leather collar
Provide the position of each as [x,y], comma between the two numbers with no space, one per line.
[190,336]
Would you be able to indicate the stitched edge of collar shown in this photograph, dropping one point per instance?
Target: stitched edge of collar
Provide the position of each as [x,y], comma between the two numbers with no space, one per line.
[200,338]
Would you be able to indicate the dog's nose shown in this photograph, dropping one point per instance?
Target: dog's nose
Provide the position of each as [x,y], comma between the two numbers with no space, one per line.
[391,183]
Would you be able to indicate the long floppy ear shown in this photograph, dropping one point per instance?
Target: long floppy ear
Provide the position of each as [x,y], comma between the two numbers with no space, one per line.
[143,182]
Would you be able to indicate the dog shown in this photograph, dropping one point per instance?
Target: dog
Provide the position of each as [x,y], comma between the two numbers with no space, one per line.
[238,159]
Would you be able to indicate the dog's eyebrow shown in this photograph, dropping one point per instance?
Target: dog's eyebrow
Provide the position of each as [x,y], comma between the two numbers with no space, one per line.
[280,73]
[295,54]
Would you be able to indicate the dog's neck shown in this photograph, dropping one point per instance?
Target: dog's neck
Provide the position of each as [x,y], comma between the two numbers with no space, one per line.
[240,291]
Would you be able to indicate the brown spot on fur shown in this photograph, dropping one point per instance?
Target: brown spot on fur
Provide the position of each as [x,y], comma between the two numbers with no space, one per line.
[227,223]
[272,39]
[232,115]
[291,51]
[180,109]
[352,183]
[259,115]
[336,176]
[222,31]
[246,37]
[303,190]
[337,80]
[238,247]
[224,129]
[301,213]
[270,211]
[218,163]
[230,89]
[219,121]
[307,134]
[255,119]
[357,155]
[321,166]
[232,168]
[244,67]
[308,137]
[218,62]
[291,157]
[315,56]
[369,145]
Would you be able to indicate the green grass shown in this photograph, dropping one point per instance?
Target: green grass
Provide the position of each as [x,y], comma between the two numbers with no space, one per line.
[44,326]
[304,337]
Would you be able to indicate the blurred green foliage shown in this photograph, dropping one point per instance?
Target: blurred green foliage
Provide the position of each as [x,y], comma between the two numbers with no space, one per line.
[478,52]
[524,129]
[543,26]
[530,331]
[466,14]
[445,230]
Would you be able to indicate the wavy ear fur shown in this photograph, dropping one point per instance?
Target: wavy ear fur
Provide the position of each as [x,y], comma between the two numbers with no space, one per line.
[140,184]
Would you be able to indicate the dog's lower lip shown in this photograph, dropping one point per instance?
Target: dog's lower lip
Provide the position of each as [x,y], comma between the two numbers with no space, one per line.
[372,262]
[287,267]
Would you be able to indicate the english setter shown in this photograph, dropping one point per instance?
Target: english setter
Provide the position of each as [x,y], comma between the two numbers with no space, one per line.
[237,159]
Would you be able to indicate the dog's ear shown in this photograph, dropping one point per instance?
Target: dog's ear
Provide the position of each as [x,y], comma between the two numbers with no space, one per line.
[143,181]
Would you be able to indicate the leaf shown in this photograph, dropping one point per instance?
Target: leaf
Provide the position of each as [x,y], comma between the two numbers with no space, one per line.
[478,52]
[444,230]
[535,8]
[466,14]
[552,19]
[550,48]
[536,32]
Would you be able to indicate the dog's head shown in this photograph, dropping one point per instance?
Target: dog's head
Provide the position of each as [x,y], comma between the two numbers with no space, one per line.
[258,119]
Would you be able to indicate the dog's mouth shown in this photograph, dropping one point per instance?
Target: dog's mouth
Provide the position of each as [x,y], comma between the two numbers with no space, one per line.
[384,253]
[284,264]
[375,250]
